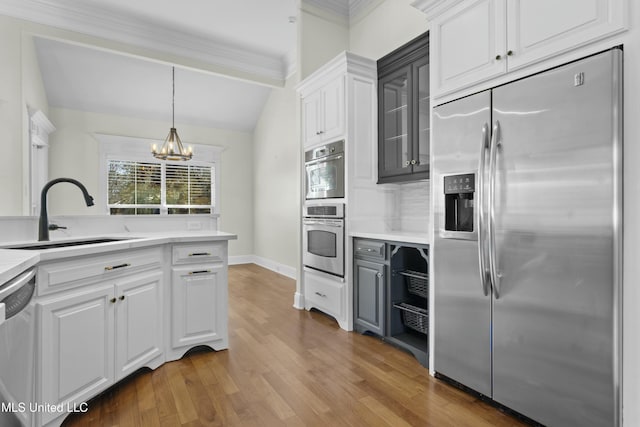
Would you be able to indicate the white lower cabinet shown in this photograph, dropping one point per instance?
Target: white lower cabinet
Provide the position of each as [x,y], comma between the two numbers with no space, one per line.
[196,291]
[92,338]
[326,294]
[139,332]
[76,348]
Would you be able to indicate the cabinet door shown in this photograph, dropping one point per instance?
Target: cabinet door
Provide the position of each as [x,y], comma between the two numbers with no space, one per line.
[311,118]
[369,295]
[542,28]
[394,146]
[197,296]
[76,347]
[332,110]
[465,43]
[138,322]
[421,118]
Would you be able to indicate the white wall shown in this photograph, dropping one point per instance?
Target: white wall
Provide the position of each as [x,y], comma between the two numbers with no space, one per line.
[385,28]
[276,159]
[74,153]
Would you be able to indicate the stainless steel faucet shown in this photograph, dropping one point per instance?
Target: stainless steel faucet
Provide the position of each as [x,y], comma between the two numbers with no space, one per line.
[43,224]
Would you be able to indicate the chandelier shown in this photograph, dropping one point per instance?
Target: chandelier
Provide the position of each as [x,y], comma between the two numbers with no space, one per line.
[172,149]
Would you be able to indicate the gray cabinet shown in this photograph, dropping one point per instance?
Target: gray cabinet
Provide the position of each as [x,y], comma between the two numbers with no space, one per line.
[391,293]
[403,113]
[369,285]
[369,296]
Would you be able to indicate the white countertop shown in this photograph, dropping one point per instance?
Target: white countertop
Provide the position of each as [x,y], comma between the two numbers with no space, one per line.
[14,261]
[394,236]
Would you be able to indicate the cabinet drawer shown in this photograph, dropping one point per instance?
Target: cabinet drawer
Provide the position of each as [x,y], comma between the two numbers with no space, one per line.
[205,252]
[374,249]
[68,274]
[323,294]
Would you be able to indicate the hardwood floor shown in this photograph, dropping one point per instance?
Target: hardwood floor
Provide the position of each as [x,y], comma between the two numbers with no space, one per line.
[286,367]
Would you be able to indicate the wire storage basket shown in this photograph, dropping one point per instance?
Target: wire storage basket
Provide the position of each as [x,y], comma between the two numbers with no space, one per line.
[417,282]
[414,317]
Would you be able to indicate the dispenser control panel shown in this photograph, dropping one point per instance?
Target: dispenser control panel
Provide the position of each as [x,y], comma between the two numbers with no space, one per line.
[459,202]
[457,184]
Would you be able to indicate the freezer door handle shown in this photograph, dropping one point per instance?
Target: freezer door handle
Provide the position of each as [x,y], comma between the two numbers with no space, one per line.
[493,267]
[480,203]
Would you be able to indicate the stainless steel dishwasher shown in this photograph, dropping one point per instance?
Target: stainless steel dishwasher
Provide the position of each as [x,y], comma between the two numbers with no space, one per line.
[17,348]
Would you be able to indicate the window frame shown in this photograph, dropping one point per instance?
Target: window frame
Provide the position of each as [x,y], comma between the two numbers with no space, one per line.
[124,148]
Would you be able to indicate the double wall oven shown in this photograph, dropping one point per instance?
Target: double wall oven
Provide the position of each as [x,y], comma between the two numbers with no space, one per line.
[322,219]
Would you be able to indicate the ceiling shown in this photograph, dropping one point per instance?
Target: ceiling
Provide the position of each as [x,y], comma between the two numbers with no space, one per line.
[256,38]
[85,79]
[252,36]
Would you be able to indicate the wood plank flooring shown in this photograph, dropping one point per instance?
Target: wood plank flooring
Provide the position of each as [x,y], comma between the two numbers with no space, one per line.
[286,367]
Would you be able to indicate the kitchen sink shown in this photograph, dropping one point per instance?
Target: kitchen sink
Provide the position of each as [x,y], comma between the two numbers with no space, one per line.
[52,245]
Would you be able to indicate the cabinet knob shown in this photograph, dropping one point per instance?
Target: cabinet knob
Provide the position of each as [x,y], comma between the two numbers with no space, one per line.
[407,163]
[498,57]
[121,297]
[112,300]
[413,162]
[379,275]
[510,53]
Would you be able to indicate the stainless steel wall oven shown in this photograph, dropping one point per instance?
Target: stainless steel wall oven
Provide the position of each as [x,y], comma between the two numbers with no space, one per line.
[324,171]
[323,238]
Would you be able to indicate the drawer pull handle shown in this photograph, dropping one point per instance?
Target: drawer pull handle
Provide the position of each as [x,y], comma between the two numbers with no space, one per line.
[200,254]
[114,267]
[199,272]
[320,295]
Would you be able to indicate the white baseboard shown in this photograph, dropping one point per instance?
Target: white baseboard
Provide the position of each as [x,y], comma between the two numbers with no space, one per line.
[283,269]
[298,301]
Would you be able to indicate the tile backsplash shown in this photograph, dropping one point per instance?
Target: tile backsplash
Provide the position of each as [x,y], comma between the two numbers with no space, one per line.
[411,207]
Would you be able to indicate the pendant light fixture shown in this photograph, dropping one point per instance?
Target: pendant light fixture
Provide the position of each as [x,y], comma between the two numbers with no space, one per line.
[172,149]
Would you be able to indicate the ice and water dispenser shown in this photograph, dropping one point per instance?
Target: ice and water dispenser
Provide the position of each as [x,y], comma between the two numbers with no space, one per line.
[458,202]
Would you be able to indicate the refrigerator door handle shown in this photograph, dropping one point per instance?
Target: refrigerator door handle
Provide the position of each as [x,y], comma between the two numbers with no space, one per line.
[493,267]
[481,218]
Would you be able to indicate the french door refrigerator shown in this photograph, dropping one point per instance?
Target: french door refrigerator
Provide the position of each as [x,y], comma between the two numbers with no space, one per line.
[527,242]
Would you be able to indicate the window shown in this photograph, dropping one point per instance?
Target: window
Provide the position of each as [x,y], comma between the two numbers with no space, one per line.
[134,183]
[149,188]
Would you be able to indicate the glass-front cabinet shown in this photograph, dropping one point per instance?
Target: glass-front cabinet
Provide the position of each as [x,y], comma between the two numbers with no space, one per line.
[403,113]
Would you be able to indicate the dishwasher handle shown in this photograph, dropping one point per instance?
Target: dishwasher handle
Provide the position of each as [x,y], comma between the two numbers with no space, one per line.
[16,283]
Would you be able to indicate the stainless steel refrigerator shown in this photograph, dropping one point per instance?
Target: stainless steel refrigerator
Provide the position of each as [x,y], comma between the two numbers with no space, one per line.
[527,242]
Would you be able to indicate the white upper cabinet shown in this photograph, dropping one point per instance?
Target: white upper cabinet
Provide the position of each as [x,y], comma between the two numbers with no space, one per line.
[465,42]
[323,113]
[538,29]
[475,40]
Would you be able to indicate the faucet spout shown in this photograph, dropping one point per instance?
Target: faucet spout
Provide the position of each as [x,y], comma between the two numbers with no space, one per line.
[43,223]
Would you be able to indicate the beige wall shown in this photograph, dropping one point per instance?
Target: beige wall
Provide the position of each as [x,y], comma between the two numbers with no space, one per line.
[385,28]
[11,116]
[74,153]
[320,38]
[276,158]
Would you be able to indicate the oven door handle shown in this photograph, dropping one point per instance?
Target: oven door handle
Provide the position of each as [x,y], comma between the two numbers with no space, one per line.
[336,224]
[323,160]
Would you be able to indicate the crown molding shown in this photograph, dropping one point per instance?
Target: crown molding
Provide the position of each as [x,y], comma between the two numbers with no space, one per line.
[103,23]
[337,7]
[341,11]
[433,8]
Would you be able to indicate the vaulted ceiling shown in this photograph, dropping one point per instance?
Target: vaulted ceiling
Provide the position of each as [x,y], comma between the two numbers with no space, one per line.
[254,37]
